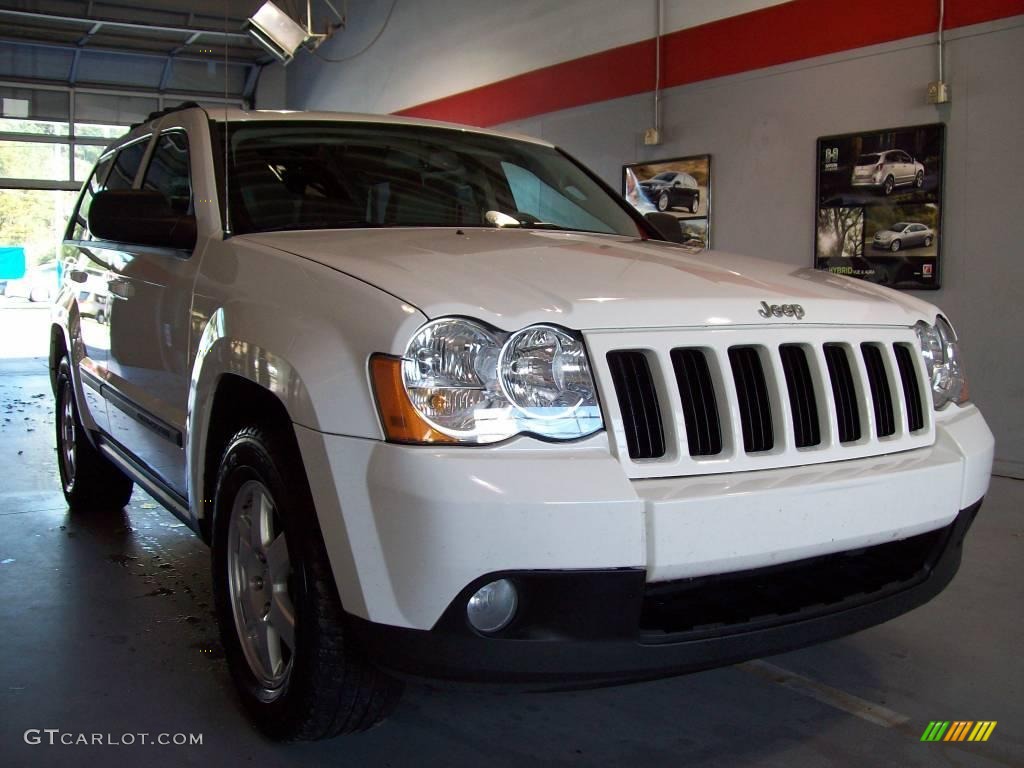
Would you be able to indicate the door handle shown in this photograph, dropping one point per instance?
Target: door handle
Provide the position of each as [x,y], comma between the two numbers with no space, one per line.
[78,275]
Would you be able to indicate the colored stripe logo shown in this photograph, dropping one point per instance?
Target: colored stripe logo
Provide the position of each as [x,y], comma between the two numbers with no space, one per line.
[958,730]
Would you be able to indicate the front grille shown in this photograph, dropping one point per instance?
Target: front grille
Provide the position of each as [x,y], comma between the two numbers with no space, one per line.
[700,406]
[700,401]
[843,393]
[735,602]
[752,394]
[638,403]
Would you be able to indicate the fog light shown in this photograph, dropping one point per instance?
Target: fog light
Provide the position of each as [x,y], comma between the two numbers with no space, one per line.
[492,606]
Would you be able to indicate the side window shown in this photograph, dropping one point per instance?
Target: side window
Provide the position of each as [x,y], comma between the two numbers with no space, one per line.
[126,166]
[168,171]
[79,229]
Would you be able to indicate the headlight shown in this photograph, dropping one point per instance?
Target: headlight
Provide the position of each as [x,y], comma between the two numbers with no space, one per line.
[460,381]
[942,359]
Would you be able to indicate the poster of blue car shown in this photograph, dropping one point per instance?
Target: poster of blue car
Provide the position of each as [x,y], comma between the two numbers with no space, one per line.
[879,205]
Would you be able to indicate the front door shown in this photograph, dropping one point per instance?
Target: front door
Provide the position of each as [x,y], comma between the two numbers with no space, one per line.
[149,322]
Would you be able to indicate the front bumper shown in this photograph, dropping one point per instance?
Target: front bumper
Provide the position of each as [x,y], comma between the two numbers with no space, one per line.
[587,628]
[409,529]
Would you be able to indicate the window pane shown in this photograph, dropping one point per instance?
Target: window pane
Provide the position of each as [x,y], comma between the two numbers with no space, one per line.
[86,156]
[168,171]
[80,225]
[25,160]
[126,166]
[34,220]
[101,131]
[44,127]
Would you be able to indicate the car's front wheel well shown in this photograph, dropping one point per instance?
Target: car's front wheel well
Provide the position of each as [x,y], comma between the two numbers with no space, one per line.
[237,403]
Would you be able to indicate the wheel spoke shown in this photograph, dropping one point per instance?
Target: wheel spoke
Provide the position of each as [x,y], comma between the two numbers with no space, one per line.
[277,561]
[282,617]
[268,647]
[262,516]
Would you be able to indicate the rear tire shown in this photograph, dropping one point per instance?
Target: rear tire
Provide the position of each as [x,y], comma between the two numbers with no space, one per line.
[88,478]
[281,621]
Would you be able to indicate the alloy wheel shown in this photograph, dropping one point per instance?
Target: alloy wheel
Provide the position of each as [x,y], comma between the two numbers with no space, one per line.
[68,435]
[261,586]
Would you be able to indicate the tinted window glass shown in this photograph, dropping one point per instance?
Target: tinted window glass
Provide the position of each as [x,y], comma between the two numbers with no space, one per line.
[321,175]
[168,171]
[868,159]
[126,166]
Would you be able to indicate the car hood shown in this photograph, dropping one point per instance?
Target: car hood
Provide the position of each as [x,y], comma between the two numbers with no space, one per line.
[512,278]
[885,234]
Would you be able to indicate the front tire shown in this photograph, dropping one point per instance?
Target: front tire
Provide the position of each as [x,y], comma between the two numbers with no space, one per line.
[280,617]
[895,245]
[87,477]
[919,180]
[928,242]
[694,205]
[888,185]
[663,202]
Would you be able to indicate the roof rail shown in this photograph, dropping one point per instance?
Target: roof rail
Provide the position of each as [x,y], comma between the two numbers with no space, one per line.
[167,111]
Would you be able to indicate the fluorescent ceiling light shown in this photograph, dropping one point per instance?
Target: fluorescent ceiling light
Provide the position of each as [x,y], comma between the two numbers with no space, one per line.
[276,31]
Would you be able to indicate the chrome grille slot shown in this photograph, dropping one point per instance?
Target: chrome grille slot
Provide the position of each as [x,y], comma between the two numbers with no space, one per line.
[802,401]
[700,406]
[752,391]
[844,393]
[911,387]
[638,403]
[881,396]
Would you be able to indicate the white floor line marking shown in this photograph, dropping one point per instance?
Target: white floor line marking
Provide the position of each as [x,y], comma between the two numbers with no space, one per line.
[826,694]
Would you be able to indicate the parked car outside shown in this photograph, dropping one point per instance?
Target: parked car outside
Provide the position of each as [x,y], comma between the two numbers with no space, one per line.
[887,170]
[904,234]
[673,189]
[38,286]
[445,406]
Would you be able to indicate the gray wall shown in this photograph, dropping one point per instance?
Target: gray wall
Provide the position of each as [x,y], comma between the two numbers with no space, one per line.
[760,129]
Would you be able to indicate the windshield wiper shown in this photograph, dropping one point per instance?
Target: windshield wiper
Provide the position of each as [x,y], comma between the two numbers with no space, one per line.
[519,219]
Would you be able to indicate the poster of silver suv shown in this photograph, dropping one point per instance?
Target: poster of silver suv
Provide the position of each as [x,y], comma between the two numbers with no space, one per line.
[879,205]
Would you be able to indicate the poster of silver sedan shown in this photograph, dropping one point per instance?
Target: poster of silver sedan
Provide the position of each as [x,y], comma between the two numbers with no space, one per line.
[879,205]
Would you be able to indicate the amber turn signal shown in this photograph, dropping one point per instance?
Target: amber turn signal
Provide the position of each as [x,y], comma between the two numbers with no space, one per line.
[402,422]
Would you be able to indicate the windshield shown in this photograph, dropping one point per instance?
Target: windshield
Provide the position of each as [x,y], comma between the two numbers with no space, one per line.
[334,175]
[897,227]
[665,176]
[868,159]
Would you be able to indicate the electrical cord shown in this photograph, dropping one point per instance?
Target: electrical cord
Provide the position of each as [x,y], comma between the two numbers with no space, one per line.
[366,47]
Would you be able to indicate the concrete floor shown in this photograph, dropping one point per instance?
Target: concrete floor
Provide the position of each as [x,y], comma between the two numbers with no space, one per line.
[105,627]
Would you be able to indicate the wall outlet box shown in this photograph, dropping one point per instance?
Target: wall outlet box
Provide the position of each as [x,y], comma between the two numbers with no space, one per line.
[938,92]
[652,136]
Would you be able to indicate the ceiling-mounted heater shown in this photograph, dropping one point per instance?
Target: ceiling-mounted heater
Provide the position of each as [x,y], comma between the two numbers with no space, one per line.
[279,34]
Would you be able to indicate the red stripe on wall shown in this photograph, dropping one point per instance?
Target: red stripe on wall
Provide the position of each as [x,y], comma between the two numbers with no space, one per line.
[779,34]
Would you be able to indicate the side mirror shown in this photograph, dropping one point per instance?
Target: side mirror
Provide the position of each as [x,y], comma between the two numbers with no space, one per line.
[667,226]
[140,217]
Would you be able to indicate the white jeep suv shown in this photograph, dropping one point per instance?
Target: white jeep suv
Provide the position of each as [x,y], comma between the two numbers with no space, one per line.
[445,406]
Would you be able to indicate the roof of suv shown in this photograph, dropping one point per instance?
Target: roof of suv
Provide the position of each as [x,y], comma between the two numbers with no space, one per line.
[236,115]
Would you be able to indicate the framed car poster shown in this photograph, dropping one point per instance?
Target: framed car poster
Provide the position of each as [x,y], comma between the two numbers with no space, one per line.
[680,186]
[879,205]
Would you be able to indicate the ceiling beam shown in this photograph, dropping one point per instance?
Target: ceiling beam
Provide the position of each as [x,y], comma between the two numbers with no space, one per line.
[124,52]
[126,25]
